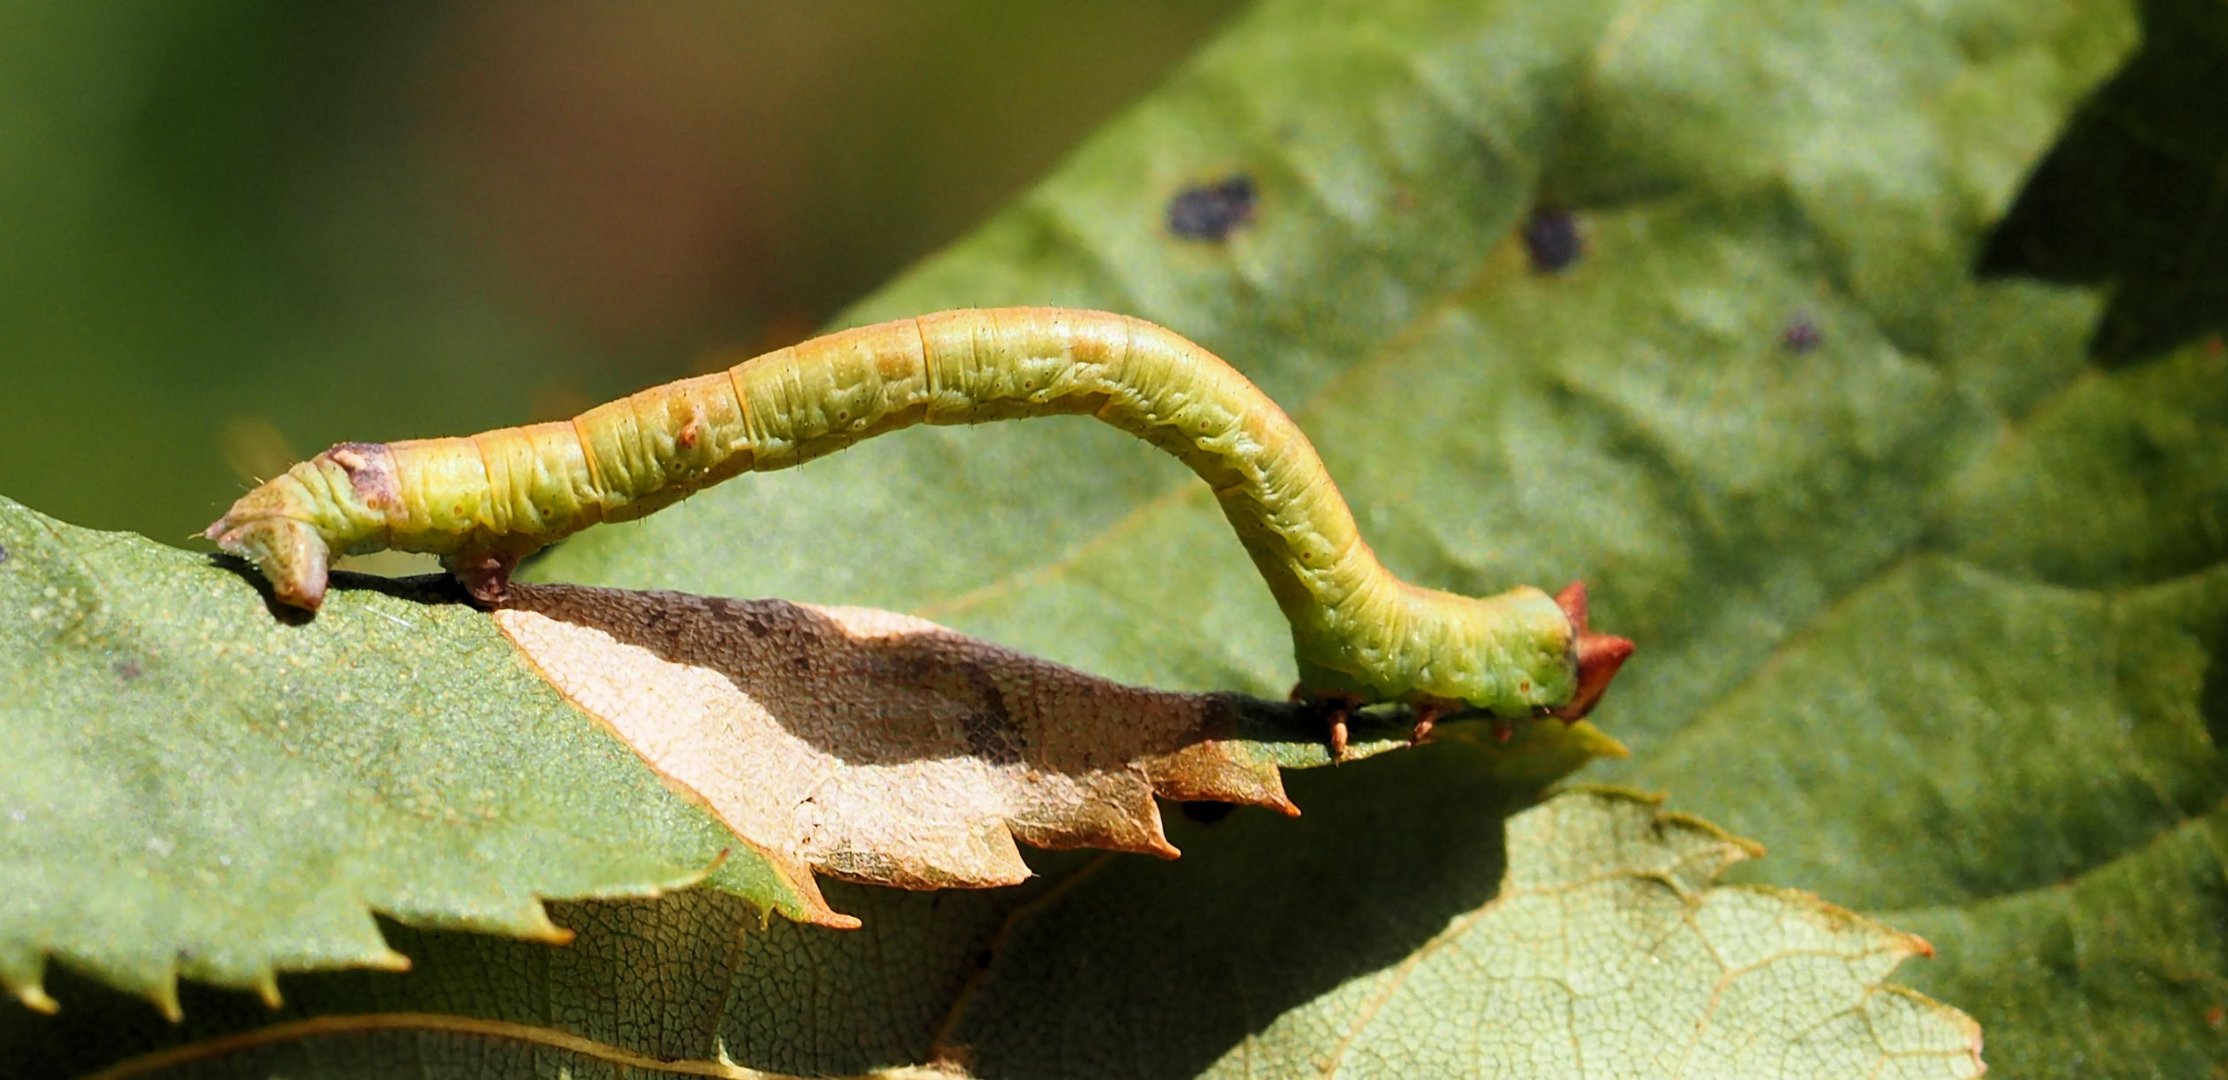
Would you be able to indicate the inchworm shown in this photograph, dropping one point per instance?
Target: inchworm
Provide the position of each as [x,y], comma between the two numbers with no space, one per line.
[1360,634]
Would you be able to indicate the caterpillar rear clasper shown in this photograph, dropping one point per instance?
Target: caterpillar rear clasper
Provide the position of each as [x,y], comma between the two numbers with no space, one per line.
[1360,635]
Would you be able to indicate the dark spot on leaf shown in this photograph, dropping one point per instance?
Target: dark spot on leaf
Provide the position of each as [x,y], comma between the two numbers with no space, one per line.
[991,732]
[1213,211]
[986,722]
[1206,813]
[3,553]
[1800,335]
[1552,239]
[128,670]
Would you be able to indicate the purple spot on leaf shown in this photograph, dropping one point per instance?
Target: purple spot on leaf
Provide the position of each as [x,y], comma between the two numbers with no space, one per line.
[1552,238]
[1212,211]
[1800,335]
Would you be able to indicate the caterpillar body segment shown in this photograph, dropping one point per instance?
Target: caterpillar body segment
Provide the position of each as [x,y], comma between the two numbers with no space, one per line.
[1360,634]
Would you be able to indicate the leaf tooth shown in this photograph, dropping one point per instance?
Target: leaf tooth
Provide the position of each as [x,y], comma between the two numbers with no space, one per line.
[34,996]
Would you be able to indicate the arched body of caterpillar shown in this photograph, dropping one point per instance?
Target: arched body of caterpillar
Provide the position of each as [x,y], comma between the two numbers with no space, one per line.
[1360,635]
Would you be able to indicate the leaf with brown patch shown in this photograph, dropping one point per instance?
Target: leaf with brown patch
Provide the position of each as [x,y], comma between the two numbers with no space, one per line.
[882,748]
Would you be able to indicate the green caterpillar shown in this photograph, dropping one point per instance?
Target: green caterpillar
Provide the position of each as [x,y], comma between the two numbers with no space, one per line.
[1360,634]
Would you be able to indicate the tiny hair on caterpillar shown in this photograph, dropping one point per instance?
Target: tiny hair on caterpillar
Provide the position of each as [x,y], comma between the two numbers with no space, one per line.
[1360,635]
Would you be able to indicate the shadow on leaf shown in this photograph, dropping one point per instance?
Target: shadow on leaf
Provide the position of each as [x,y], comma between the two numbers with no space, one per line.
[880,748]
[2132,196]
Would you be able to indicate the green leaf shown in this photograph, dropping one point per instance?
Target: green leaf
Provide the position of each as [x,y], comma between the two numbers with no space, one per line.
[197,786]
[181,744]
[1927,600]
[1610,950]
[1922,592]
[1602,948]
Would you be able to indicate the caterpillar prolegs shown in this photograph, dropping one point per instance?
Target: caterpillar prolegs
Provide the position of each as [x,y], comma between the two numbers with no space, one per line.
[1360,634]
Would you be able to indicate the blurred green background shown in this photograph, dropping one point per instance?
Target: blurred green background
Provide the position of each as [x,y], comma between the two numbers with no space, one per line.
[235,231]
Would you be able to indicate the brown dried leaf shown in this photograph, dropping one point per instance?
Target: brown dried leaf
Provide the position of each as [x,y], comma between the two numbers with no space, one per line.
[882,748]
